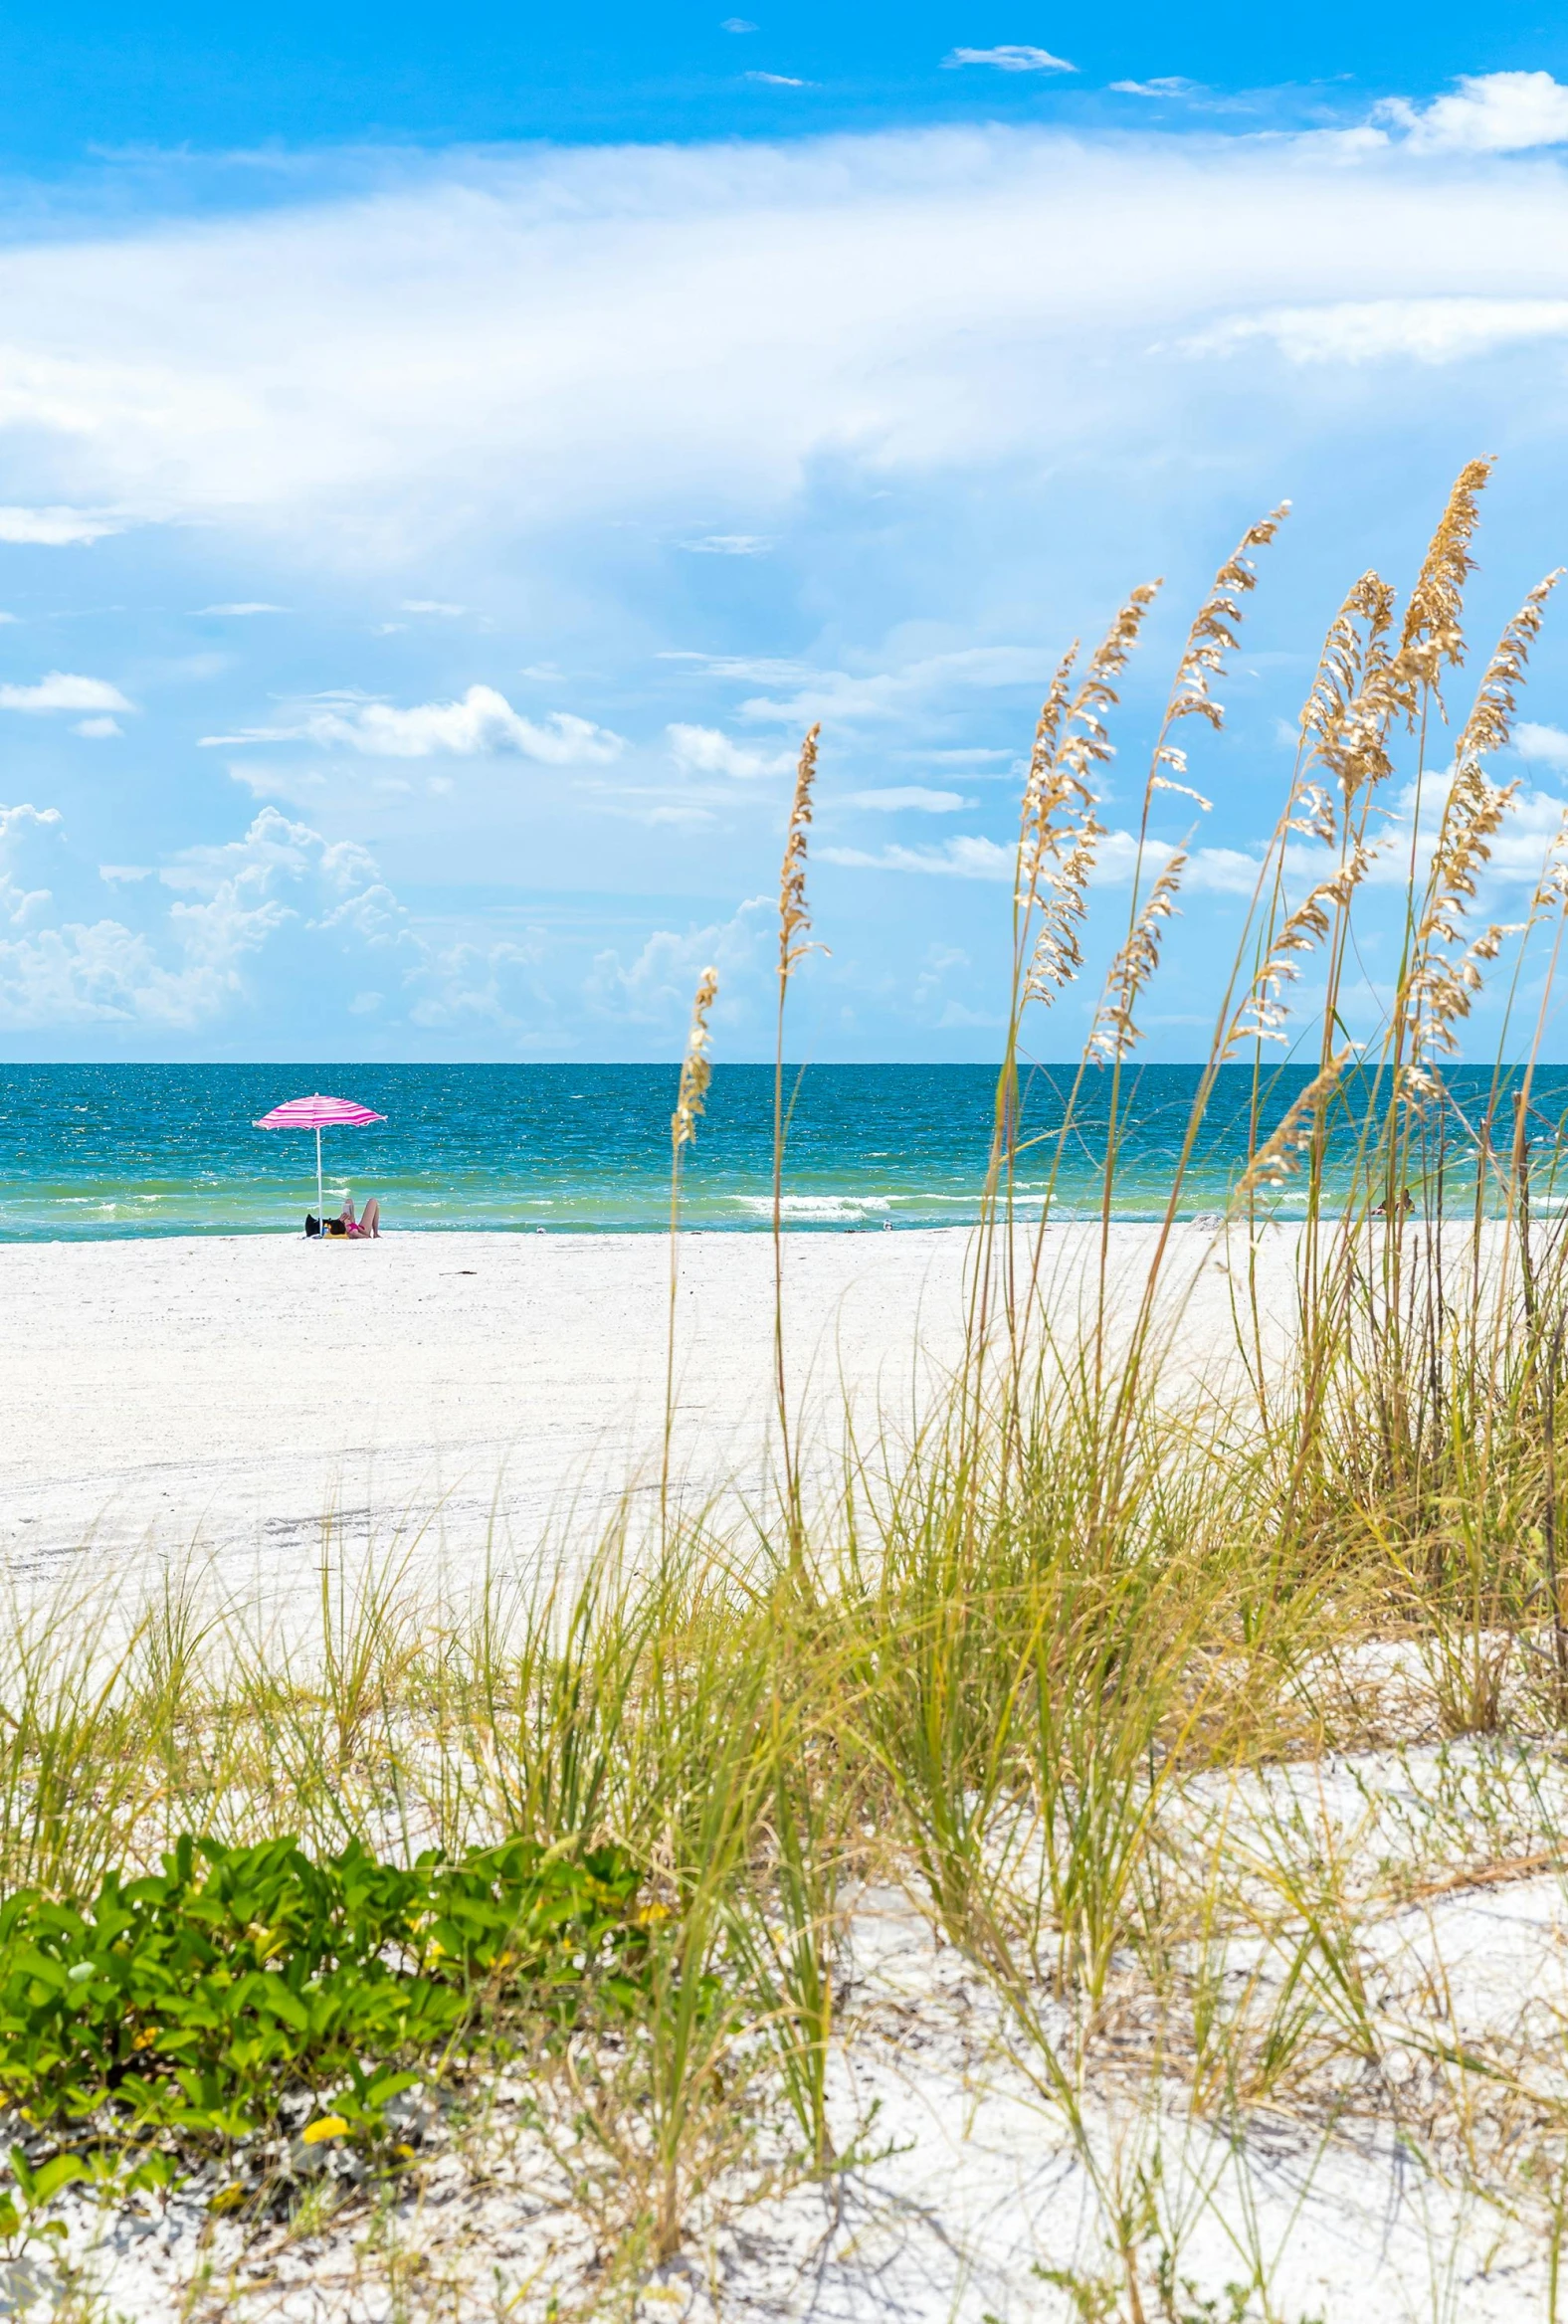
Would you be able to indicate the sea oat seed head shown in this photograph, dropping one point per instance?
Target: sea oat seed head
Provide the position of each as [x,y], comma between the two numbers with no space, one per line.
[1432,634]
[794,917]
[695,1066]
[1276,1158]
[1213,633]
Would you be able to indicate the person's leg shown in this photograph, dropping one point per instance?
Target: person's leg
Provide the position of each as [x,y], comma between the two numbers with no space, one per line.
[370,1218]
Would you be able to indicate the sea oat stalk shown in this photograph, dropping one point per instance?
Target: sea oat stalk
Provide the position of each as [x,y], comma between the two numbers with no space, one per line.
[795,942]
[697,1071]
[1115,1031]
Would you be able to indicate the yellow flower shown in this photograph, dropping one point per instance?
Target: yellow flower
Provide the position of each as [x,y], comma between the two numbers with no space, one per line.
[324,2126]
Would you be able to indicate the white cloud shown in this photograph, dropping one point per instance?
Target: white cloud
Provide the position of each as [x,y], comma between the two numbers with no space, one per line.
[299,780]
[896,798]
[482,721]
[240,610]
[1166,85]
[1209,870]
[730,544]
[274,854]
[706,750]
[839,696]
[18,825]
[957,859]
[655,990]
[231,901]
[430,605]
[1010,59]
[1429,330]
[778,79]
[98,729]
[738,24]
[62,691]
[1489,113]
[688,818]
[1547,744]
[892,303]
[54,528]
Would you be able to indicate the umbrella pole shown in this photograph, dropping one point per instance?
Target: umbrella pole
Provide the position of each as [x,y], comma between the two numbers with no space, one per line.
[320,1203]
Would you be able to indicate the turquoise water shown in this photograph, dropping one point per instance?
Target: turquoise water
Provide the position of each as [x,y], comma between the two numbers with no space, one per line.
[88,1151]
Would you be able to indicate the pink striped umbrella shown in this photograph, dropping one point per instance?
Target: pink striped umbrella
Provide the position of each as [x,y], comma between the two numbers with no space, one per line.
[317,1113]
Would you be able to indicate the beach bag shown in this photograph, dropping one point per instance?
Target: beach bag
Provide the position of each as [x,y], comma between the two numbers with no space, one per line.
[313,1225]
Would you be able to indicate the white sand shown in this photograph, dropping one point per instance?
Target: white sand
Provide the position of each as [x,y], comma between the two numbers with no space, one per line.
[971,2191]
[235,1392]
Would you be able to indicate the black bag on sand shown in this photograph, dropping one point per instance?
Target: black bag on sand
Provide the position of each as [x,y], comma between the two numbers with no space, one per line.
[312,1225]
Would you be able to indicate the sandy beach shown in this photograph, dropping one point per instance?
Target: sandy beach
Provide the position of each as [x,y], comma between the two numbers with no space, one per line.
[236,1393]
[477,1389]
[457,1400]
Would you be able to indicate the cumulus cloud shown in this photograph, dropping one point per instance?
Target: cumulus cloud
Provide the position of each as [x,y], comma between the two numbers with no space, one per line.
[1490,113]
[482,721]
[98,729]
[194,959]
[274,854]
[62,691]
[654,989]
[1208,870]
[706,750]
[1009,59]
[61,971]
[1547,744]
[19,903]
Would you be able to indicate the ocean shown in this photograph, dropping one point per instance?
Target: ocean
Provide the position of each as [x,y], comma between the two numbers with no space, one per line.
[100,1151]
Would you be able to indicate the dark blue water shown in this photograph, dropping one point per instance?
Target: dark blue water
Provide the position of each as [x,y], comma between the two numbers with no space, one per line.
[114,1151]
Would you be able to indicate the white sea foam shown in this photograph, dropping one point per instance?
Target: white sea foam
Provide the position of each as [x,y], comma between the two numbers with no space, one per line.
[814,1206]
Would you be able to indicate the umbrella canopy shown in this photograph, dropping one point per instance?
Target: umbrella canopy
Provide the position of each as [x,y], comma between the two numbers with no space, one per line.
[317,1113]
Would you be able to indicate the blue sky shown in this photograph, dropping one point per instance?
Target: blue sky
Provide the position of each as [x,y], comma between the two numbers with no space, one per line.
[445,463]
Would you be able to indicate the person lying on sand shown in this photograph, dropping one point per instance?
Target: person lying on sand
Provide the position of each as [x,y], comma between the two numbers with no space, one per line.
[368,1221]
